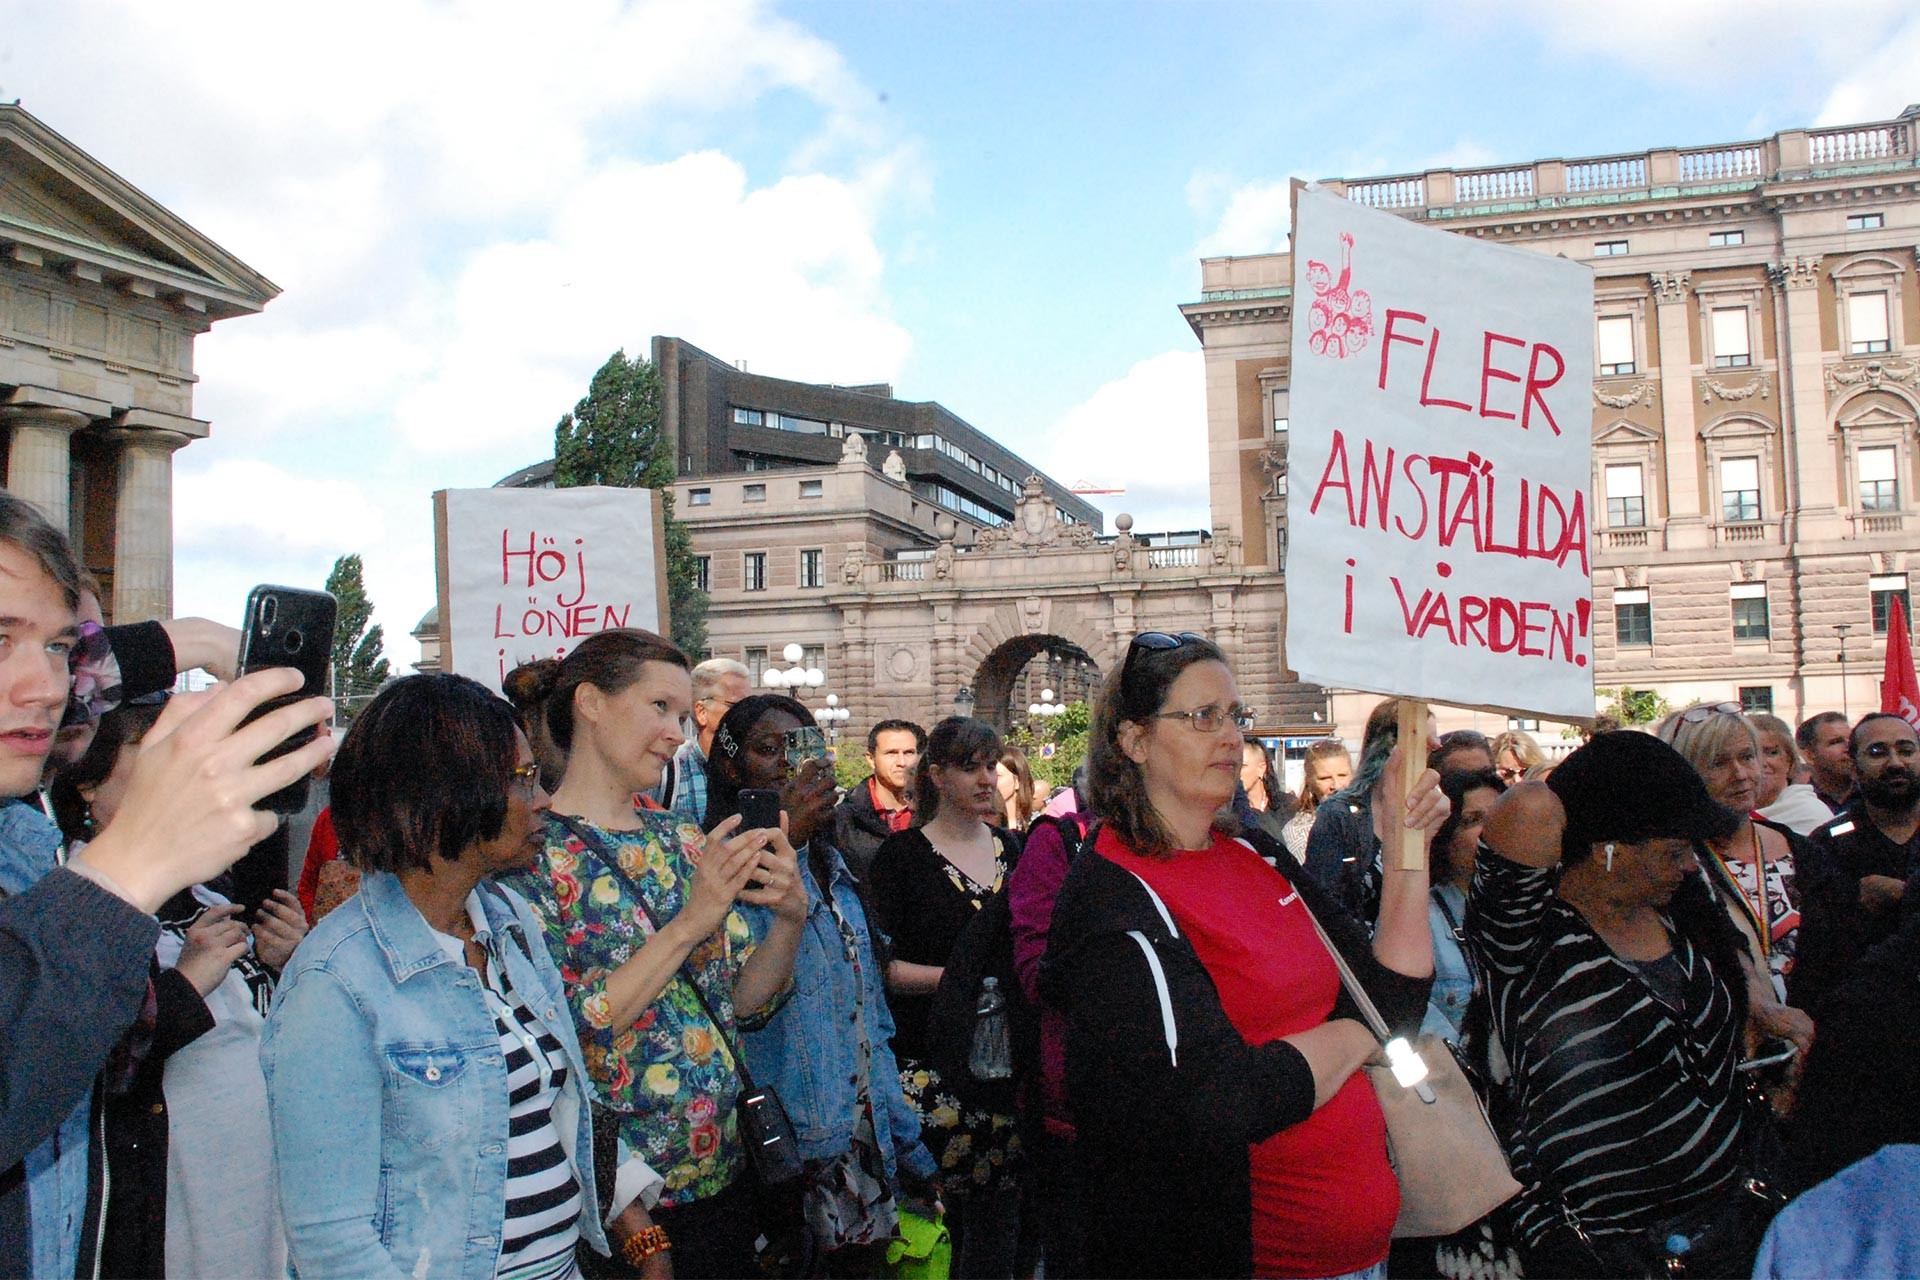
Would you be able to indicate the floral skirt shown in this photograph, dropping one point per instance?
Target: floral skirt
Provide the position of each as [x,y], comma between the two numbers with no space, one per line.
[977,1150]
[847,1200]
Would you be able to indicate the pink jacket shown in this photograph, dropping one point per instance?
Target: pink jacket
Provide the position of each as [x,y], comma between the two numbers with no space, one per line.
[1036,883]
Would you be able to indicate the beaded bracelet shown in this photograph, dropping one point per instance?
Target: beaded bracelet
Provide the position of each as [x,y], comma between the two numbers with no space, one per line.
[641,1245]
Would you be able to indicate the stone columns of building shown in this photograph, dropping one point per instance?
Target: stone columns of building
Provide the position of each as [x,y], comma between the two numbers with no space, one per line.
[1803,357]
[39,439]
[143,525]
[1680,436]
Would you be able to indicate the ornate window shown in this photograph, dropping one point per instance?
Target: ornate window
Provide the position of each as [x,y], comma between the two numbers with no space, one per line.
[1877,432]
[1743,456]
[1615,353]
[1867,292]
[1626,496]
[1749,610]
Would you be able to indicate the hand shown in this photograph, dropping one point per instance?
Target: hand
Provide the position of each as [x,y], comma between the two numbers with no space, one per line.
[780,887]
[631,1221]
[188,812]
[215,940]
[277,929]
[727,860]
[211,646]
[1881,893]
[1423,810]
[808,799]
[922,1195]
[1773,1020]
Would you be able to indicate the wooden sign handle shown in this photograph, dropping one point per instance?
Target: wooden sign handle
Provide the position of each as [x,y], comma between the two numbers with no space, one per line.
[1413,762]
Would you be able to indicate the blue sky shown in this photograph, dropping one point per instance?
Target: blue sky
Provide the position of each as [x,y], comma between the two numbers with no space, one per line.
[998,206]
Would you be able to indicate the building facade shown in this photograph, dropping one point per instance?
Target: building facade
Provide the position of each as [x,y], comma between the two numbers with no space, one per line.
[1757,354]
[102,292]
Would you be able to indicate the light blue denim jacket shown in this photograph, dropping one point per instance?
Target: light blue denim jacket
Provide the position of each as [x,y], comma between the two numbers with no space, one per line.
[388,1091]
[807,1052]
[1452,977]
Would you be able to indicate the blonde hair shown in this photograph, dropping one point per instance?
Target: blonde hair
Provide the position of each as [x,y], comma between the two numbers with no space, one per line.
[1526,751]
[1704,738]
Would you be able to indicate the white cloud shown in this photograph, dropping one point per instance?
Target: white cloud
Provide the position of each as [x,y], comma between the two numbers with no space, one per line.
[1146,430]
[1256,219]
[273,510]
[1880,82]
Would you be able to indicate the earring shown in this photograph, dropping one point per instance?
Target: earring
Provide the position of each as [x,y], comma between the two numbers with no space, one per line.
[1609,857]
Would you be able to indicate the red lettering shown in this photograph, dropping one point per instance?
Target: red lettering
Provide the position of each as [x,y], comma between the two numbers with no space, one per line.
[1489,374]
[1390,337]
[1473,611]
[1536,384]
[1430,402]
[1438,614]
[1418,612]
[1337,458]
[1406,468]
[1375,482]
[1501,610]
[1560,635]
[1530,628]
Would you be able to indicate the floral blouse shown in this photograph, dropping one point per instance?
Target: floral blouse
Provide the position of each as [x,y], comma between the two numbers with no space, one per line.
[668,1075]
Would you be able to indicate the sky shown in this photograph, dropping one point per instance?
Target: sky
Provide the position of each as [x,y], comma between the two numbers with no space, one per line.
[997,206]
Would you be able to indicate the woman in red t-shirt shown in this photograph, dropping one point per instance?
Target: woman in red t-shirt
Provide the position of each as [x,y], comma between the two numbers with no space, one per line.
[1212,1060]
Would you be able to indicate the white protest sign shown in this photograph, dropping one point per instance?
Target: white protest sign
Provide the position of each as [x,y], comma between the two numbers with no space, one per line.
[1438,464]
[529,573]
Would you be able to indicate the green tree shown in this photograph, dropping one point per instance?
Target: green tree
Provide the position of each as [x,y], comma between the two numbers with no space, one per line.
[613,437]
[1066,733]
[359,667]
[1634,706]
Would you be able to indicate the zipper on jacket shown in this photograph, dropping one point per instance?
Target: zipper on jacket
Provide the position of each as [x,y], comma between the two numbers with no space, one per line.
[1167,1027]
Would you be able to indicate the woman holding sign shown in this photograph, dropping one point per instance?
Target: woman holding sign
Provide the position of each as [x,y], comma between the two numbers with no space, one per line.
[638,907]
[1212,1064]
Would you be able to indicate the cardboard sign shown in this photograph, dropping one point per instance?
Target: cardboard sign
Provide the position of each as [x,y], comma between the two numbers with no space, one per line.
[530,573]
[1438,464]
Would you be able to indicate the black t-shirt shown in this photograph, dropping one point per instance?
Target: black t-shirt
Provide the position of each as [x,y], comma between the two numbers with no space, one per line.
[1835,930]
[922,902]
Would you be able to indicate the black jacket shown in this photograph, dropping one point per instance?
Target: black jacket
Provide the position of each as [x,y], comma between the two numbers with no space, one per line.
[1167,1097]
[1835,930]
[1343,854]
[859,829]
[73,975]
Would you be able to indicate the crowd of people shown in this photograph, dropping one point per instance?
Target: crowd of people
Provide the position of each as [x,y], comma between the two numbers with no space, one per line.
[609,977]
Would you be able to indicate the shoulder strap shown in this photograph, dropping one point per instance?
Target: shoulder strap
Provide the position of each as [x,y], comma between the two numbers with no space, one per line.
[684,974]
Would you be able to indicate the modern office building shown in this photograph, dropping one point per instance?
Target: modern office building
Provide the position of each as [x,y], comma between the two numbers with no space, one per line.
[1757,351]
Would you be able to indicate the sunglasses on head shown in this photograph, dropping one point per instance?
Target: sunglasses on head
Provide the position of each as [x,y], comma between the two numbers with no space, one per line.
[1694,715]
[1157,642]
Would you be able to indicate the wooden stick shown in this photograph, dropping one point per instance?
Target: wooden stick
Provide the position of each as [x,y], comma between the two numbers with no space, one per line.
[1413,762]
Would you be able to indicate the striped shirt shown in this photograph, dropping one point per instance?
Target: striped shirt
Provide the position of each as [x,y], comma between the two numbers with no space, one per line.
[1624,1111]
[542,1221]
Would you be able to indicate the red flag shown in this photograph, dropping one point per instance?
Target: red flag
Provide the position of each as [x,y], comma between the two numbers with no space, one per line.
[1899,689]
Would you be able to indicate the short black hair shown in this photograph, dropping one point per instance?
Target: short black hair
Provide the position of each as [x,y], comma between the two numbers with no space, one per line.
[729,743]
[958,742]
[1458,740]
[1810,729]
[1853,738]
[22,525]
[896,726]
[424,771]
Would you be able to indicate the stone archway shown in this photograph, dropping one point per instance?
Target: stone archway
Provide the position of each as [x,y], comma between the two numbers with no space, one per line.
[999,676]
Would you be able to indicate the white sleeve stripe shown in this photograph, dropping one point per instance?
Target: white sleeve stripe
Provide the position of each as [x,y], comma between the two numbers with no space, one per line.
[1167,1027]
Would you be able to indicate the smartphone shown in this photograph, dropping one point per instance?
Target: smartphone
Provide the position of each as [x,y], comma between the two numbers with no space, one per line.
[804,744]
[759,809]
[288,627]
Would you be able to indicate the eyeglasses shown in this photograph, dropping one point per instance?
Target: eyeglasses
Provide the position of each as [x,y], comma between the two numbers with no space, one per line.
[1694,715]
[1211,718]
[526,780]
[1511,773]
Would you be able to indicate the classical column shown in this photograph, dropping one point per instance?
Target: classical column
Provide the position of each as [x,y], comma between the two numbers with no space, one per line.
[143,528]
[37,456]
[1803,357]
[1679,435]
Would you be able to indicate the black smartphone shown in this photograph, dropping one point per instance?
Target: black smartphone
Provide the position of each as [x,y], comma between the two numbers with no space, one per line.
[288,627]
[759,809]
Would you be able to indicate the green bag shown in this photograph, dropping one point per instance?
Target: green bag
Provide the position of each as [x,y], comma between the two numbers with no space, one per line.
[924,1250]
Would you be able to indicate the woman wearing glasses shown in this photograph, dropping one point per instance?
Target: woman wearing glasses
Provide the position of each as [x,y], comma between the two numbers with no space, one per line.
[1212,1061]
[928,882]
[1515,752]
[428,1097]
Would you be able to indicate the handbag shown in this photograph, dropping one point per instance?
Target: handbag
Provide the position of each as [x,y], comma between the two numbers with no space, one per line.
[766,1131]
[1451,1168]
[924,1250]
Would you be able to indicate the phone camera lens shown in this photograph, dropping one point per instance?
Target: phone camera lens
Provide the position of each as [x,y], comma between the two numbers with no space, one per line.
[293,640]
[269,609]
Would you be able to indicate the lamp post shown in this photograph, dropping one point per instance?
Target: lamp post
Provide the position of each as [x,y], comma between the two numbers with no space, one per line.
[1842,628]
[794,677]
[963,702]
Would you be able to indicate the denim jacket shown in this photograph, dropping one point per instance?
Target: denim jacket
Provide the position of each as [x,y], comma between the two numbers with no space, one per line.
[1452,971]
[807,1052]
[388,1091]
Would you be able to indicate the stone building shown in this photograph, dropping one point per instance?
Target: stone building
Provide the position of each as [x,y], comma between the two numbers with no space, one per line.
[1757,339]
[102,293]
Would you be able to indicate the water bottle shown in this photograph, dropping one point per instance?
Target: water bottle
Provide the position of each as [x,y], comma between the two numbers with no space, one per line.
[992,1055]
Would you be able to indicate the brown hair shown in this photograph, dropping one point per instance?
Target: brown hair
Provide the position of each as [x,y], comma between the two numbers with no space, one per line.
[956,742]
[1131,695]
[1016,762]
[609,661]
[1324,749]
[22,525]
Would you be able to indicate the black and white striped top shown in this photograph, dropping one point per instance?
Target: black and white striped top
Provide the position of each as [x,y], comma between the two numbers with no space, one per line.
[1625,1110]
[542,1222]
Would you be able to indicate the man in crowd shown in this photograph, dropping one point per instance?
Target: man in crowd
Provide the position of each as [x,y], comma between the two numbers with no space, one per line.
[883,804]
[1826,746]
[1854,876]
[1462,751]
[718,683]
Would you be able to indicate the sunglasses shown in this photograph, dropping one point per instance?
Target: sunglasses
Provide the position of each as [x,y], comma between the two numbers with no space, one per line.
[1694,715]
[1157,642]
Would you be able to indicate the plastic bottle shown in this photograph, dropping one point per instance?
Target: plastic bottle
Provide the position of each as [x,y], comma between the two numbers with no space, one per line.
[992,1052]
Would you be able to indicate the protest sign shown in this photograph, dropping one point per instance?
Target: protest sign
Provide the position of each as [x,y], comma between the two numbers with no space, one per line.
[1438,464]
[529,573]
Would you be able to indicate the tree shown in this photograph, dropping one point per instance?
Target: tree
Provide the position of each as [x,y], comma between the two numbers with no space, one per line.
[359,668]
[613,437]
[1634,706]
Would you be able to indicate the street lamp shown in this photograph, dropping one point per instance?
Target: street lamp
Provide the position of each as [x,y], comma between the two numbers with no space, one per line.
[963,701]
[1842,628]
[795,677]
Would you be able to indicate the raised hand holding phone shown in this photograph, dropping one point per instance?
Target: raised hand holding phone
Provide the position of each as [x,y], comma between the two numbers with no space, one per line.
[293,628]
